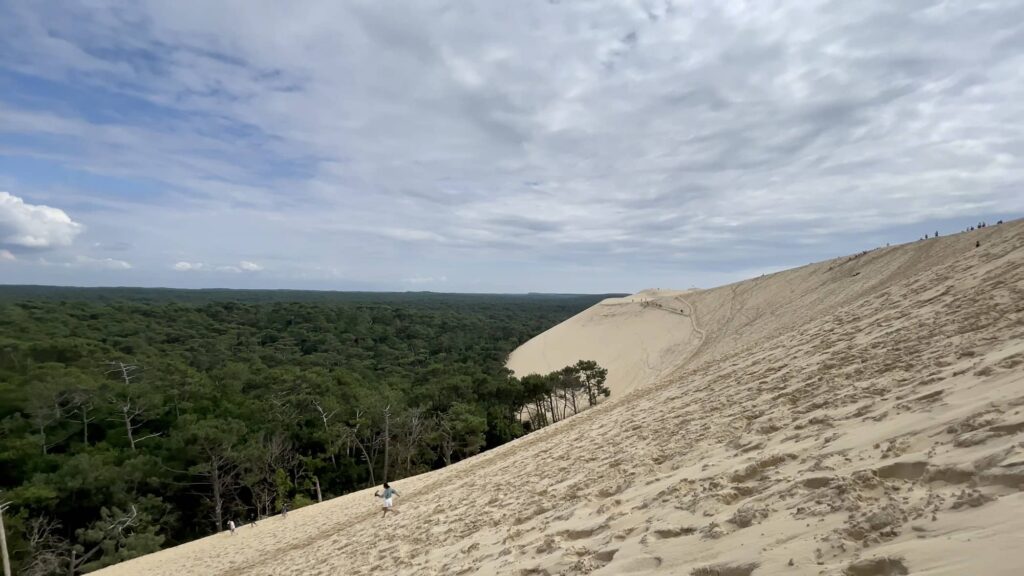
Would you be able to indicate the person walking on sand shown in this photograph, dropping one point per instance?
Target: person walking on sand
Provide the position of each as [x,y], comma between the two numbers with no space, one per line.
[231,526]
[388,494]
[284,510]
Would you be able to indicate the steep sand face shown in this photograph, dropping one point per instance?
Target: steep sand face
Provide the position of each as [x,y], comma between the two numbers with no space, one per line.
[862,416]
[637,338]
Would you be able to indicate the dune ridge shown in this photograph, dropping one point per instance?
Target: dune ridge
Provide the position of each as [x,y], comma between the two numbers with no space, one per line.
[860,416]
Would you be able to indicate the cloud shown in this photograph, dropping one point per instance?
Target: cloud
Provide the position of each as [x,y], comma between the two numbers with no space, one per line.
[82,262]
[243,266]
[101,263]
[24,225]
[189,266]
[6,256]
[650,139]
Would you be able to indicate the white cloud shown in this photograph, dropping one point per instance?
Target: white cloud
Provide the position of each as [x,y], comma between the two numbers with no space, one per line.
[648,136]
[101,263]
[189,266]
[6,256]
[26,225]
[243,266]
[82,262]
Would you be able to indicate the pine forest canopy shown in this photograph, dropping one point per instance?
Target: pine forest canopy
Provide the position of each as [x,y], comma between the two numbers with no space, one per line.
[135,419]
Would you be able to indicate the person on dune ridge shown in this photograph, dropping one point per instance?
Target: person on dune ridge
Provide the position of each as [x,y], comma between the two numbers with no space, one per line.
[388,494]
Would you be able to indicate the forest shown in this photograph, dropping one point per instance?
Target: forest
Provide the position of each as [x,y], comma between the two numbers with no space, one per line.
[136,419]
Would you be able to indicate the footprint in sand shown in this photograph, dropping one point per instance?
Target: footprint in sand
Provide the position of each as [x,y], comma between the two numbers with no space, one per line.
[638,565]
[725,570]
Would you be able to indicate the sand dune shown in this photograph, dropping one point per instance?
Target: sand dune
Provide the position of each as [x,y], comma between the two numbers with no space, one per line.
[862,416]
[637,338]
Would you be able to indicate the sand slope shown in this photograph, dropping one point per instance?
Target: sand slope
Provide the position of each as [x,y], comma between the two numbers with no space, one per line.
[637,338]
[860,416]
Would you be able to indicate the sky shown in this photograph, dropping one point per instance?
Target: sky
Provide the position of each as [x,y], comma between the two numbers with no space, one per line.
[463,146]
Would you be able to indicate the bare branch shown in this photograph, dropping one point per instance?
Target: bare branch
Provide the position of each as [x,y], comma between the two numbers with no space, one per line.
[137,440]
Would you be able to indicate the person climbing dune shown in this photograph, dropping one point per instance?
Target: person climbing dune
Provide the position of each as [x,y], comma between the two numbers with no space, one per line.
[388,494]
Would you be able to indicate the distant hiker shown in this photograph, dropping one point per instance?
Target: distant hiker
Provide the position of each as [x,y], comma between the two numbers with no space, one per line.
[284,510]
[936,233]
[388,494]
[231,526]
[977,244]
[253,522]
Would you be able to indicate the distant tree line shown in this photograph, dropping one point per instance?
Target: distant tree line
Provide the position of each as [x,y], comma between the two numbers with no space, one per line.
[128,426]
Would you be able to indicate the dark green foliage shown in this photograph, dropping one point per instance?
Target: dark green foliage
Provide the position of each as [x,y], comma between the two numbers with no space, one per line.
[133,419]
[592,378]
[555,396]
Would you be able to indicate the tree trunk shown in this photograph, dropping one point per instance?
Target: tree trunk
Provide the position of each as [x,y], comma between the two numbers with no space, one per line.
[541,412]
[369,462]
[128,426]
[327,433]
[217,502]
[85,425]
[319,497]
[446,451]
[387,441]
[3,546]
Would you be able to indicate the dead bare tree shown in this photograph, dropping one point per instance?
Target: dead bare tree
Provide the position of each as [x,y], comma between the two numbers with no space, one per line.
[118,526]
[325,417]
[284,409]
[79,403]
[220,472]
[48,552]
[131,407]
[274,453]
[365,440]
[446,436]
[414,428]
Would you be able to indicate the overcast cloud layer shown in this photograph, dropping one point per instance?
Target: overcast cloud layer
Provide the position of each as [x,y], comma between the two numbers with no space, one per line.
[495,146]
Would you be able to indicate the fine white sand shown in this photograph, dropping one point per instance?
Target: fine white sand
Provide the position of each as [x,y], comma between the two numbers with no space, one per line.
[861,416]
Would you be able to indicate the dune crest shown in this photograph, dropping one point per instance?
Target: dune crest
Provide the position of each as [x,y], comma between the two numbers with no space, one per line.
[861,416]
